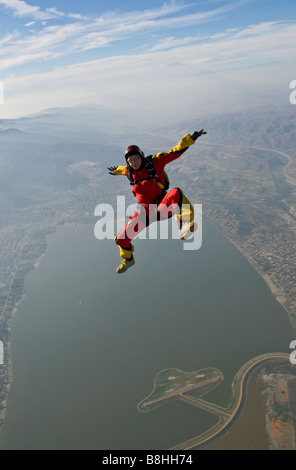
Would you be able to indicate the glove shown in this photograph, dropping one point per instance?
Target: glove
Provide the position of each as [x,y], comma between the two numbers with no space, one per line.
[112,170]
[196,134]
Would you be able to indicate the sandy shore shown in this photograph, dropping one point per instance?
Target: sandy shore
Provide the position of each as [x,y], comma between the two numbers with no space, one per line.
[274,289]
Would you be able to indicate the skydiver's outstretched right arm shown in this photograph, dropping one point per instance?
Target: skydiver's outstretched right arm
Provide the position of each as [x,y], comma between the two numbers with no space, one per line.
[117,170]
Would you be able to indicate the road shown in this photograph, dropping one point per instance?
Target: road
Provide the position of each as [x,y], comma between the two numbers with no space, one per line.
[210,407]
[177,392]
[227,417]
[288,177]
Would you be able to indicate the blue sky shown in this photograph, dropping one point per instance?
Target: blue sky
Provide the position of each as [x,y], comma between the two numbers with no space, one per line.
[169,59]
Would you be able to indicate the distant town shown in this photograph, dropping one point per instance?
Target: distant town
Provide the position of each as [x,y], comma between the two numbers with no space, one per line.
[246,193]
[247,189]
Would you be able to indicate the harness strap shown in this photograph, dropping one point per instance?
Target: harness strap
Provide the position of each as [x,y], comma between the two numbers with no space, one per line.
[151,171]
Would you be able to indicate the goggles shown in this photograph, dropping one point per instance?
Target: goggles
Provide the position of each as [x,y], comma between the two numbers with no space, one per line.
[133,158]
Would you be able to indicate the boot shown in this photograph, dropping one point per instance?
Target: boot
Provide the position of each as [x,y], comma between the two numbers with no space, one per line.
[125,265]
[187,229]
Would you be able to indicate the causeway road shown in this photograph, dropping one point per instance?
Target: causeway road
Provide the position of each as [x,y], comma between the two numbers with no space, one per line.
[227,417]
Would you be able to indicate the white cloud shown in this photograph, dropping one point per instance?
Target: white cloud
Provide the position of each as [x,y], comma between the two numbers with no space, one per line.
[238,69]
[8,38]
[193,72]
[56,13]
[21,9]
[86,34]
[172,42]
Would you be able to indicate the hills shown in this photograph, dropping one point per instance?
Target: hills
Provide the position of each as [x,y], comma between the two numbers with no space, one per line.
[54,165]
[245,176]
[273,127]
[53,172]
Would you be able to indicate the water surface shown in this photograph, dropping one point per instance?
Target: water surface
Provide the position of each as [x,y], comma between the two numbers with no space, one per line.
[87,343]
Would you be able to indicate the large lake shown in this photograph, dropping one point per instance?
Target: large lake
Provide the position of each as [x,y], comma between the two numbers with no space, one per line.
[87,343]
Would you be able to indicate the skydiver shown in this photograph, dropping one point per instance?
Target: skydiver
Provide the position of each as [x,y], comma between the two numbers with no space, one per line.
[150,187]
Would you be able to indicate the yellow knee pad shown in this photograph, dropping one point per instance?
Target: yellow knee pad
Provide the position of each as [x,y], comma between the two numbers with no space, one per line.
[125,253]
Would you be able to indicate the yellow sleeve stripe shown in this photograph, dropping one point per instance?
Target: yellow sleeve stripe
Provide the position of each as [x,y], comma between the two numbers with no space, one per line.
[120,170]
[184,143]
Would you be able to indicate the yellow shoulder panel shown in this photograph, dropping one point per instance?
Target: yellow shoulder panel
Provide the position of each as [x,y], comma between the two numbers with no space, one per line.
[158,154]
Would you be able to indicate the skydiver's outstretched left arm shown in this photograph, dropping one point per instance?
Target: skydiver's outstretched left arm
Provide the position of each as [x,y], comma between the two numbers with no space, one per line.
[178,150]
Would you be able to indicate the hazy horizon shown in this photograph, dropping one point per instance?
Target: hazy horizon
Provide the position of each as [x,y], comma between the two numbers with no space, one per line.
[165,62]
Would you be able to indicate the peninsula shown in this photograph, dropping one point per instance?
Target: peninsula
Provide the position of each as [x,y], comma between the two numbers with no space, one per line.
[172,384]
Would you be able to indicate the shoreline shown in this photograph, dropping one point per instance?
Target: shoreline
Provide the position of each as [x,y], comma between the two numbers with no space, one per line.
[235,407]
[8,365]
[8,347]
[274,289]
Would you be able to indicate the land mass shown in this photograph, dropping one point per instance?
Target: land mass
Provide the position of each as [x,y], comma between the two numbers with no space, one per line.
[172,384]
[53,172]
[249,192]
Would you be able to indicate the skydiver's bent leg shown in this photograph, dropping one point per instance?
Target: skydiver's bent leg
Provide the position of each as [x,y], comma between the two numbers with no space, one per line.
[135,224]
[176,202]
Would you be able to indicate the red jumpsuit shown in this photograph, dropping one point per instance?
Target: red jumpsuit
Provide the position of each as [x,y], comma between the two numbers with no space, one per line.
[155,203]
